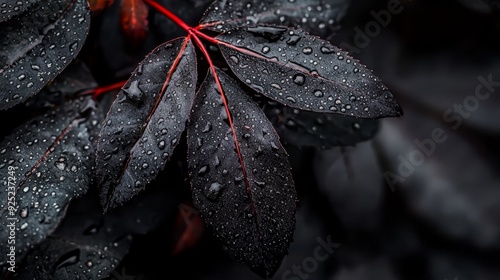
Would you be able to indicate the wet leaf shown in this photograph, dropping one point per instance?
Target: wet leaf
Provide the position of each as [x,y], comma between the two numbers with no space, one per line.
[324,131]
[90,245]
[245,195]
[316,16]
[146,121]
[36,46]
[10,8]
[305,72]
[46,163]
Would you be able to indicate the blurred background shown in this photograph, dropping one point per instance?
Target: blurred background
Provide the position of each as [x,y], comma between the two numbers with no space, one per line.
[394,208]
[440,218]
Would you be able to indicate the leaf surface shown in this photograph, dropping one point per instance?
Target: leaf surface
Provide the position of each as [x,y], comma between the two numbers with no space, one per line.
[247,199]
[317,16]
[305,72]
[146,121]
[37,45]
[324,131]
[10,8]
[49,161]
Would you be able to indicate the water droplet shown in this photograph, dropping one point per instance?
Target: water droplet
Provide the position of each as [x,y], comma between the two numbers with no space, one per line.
[30,85]
[89,264]
[214,191]
[326,50]
[299,79]
[203,170]
[294,39]
[356,126]
[207,127]
[260,184]
[274,146]
[145,165]
[307,50]
[21,77]
[24,212]
[318,93]
[134,92]
[352,98]
[60,164]
[234,59]
[73,46]
[161,145]
[23,226]
[266,49]
[173,142]
[291,99]
[366,109]
[356,70]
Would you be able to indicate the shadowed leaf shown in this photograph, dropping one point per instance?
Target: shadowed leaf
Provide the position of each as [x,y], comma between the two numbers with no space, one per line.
[50,160]
[36,46]
[315,16]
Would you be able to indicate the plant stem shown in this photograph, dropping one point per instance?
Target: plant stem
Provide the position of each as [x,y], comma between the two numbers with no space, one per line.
[168,14]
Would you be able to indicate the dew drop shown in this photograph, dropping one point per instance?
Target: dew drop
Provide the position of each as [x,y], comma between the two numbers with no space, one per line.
[21,77]
[207,127]
[266,49]
[214,191]
[161,145]
[299,79]
[203,170]
[24,212]
[326,50]
[234,59]
[134,92]
[318,93]
[294,39]
[307,50]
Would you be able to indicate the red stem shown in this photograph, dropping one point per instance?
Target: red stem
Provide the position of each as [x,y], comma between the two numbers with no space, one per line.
[168,14]
[196,34]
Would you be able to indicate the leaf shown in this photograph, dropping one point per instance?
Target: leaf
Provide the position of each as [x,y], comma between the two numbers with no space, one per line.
[134,21]
[246,196]
[316,16]
[36,46]
[146,121]
[305,72]
[10,8]
[99,5]
[89,245]
[47,162]
[325,131]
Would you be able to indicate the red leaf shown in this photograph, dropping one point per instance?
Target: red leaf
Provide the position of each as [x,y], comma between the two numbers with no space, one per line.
[99,5]
[134,20]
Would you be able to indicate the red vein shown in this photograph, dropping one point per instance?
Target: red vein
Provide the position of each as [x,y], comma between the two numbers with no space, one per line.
[155,106]
[45,155]
[231,124]
[97,92]
[195,32]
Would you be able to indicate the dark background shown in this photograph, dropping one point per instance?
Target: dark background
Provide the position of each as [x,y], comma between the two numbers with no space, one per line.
[441,223]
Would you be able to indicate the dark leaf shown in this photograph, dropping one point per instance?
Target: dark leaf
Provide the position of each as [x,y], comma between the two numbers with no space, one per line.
[304,128]
[10,8]
[90,245]
[316,16]
[46,162]
[305,72]
[245,195]
[74,79]
[36,46]
[146,121]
